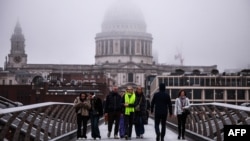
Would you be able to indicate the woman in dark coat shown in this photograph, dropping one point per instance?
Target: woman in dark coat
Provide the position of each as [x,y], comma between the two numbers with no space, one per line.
[140,115]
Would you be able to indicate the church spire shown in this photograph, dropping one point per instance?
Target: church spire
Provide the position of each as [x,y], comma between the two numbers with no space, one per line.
[18,29]
[17,35]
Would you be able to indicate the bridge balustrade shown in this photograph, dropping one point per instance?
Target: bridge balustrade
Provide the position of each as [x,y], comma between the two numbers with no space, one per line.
[208,119]
[37,122]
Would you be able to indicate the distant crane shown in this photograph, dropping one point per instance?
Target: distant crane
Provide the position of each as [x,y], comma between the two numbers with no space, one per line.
[179,57]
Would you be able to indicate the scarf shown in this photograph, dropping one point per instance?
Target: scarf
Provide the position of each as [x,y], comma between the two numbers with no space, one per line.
[183,101]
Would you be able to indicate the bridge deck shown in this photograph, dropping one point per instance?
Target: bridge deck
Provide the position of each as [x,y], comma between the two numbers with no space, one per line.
[149,134]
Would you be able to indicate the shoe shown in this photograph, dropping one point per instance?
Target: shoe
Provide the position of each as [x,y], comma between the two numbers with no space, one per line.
[108,134]
[116,137]
[183,138]
[126,137]
[141,136]
[179,137]
[137,137]
[94,138]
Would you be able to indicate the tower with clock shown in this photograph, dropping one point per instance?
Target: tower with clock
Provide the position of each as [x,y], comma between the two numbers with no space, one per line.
[17,57]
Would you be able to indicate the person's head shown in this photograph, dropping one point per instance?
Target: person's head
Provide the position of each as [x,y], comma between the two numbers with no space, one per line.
[92,95]
[182,93]
[82,96]
[139,89]
[129,89]
[162,87]
[115,89]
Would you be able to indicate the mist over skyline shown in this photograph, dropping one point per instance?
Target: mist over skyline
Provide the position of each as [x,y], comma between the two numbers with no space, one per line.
[214,32]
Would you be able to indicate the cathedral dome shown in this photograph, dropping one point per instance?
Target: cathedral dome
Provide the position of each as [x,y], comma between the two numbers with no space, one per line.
[123,37]
[123,16]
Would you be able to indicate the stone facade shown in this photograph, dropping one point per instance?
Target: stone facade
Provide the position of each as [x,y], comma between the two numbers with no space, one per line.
[123,53]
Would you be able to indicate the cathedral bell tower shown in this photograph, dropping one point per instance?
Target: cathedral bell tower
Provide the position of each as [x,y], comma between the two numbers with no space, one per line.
[17,57]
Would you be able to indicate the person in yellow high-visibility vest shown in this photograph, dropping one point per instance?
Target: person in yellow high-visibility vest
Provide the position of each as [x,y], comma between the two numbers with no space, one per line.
[128,102]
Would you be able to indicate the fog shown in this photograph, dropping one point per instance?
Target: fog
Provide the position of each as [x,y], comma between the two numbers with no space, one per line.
[205,32]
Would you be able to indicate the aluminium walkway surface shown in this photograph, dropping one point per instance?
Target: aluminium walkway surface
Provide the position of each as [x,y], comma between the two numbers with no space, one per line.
[149,134]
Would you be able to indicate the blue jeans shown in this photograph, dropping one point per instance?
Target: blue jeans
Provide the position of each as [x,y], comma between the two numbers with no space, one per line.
[139,126]
[95,132]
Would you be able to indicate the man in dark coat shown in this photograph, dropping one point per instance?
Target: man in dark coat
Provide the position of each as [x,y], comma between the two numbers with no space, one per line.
[113,111]
[160,105]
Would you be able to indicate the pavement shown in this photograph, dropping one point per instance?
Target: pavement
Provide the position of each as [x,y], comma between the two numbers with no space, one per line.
[149,134]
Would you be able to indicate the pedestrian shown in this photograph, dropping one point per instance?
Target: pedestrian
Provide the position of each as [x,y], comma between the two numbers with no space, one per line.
[82,106]
[96,112]
[140,113]
[160,106]
[182,103]
[113,111]
[128,102]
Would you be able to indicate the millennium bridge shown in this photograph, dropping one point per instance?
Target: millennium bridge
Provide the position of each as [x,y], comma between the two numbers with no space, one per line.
[55,121]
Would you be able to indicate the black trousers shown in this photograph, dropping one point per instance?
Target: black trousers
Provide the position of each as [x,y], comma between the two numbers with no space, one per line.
[82,126]
[181,124]
[128,124]
[114,117]
[160,119]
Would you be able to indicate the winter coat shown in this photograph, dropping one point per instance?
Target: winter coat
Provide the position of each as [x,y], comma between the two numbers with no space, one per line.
[113,103]
[161,102]
[178,107]
[82,107]
[96,106]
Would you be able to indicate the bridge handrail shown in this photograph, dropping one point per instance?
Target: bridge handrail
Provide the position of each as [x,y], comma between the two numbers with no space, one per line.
[42,121]
[28,107]
[236,107]
[208,119]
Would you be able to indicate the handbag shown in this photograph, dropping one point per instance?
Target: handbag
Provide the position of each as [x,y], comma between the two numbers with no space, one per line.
[186,112]
[137,107]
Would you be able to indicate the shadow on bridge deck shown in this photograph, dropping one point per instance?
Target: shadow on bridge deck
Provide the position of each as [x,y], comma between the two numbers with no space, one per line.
[149,134]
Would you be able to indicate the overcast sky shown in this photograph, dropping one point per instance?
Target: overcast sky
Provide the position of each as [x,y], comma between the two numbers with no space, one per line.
[205,32]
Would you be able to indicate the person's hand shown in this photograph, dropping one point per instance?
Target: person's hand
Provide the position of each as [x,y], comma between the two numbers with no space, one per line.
[81,104]
[125,104]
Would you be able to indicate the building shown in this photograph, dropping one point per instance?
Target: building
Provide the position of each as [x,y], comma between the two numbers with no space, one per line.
[123,54]
[222,88]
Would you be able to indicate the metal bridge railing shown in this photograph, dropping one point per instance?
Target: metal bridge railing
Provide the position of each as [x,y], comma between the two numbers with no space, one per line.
[37,122]
[208,119]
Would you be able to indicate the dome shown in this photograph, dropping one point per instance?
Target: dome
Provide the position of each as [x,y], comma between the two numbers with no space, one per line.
[123,16]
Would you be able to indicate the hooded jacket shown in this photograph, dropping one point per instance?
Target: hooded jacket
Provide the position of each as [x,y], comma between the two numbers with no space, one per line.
[161,102]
